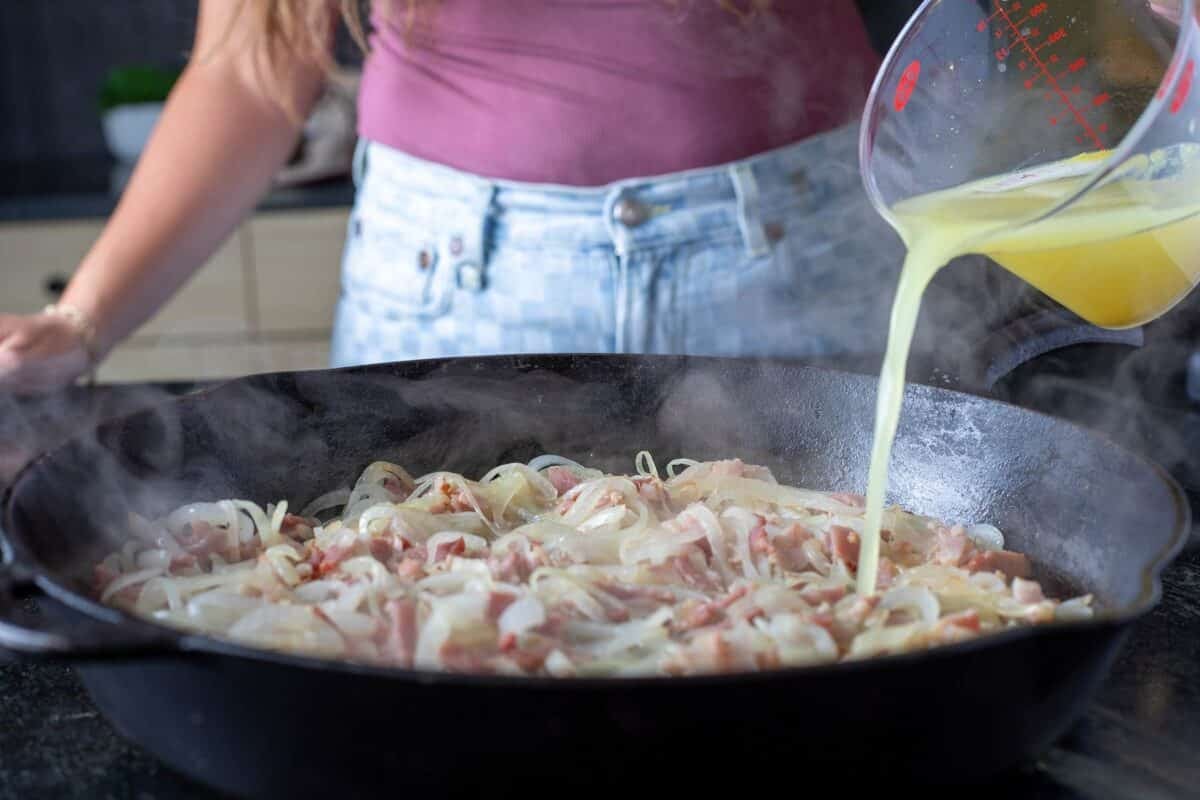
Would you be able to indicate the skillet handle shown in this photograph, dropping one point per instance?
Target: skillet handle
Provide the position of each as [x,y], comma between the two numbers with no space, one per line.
[34,636]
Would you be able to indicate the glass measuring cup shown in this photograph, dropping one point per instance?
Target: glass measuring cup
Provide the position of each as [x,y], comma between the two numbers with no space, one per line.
[1058,137]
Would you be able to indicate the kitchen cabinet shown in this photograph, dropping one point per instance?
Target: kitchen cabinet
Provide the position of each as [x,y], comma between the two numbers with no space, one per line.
[297,268]
[263,303]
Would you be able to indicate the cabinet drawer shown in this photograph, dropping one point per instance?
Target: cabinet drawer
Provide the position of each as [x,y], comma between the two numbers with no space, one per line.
[34,255]
[142,362]
[297,260]
[213,301]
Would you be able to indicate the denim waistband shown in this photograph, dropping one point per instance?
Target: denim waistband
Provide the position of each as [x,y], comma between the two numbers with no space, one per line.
[628,214]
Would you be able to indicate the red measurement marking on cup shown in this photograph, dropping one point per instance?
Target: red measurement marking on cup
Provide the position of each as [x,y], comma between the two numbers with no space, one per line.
[907,85]
[1019,36]
[1185,86]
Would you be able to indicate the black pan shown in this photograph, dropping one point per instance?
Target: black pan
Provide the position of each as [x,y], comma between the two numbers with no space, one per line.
[1090,514]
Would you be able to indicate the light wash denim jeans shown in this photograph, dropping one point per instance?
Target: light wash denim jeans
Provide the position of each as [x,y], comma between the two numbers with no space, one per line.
[779,255]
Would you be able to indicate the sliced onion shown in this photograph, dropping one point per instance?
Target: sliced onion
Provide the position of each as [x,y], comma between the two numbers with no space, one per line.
[985,536]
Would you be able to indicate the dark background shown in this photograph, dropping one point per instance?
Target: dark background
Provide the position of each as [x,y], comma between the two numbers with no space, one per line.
[54,55]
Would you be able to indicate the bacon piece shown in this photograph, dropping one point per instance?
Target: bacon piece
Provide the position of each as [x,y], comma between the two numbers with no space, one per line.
[381,549]
[402,633]
[562,479]
[695,575]
[454,547]
[695,614]
[497,602]
[953,547]
[844,544]
[1014,565]
[516,567]
[330,559]
[816,597]
[886,575]
[411,567]
[449,497]
[102,576]
[789,548]
[297,527]
[397,488]
[760,543]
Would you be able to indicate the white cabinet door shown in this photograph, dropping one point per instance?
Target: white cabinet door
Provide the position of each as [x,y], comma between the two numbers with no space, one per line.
[297,258]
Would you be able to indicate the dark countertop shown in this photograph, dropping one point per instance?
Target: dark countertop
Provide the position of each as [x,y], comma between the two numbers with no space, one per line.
[88,188]
[1139,739]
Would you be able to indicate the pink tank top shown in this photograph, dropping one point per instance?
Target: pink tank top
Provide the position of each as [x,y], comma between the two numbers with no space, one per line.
[585,93]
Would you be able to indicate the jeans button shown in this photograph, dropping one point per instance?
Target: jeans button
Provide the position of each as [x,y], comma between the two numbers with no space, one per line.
[470,277]
[630,212]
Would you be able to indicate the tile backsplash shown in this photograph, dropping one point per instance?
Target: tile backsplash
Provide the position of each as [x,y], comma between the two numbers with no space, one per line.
[54,55]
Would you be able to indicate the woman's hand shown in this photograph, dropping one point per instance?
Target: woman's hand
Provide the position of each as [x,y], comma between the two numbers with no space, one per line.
[40,353]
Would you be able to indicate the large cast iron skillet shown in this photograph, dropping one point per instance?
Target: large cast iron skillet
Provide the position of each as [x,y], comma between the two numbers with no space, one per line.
[1092,516]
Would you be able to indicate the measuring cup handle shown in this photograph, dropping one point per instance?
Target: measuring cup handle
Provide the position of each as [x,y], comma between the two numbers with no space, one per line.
[1033,336]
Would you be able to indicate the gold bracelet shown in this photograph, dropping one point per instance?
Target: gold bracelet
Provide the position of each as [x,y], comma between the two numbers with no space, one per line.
[83,326]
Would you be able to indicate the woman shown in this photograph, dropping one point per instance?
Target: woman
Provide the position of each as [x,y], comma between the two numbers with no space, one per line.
[662,176]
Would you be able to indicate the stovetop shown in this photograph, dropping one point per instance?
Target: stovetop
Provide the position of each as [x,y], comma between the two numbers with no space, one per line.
[1139,739]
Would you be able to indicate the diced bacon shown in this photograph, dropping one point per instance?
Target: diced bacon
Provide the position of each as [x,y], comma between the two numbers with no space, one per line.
[508,642]
[760,543]
[1014,565]
[102,576]
[454,547]
[381,549]
[651,490]
[457,658]
[886,574]
[957,627]
[398,489]
[183,561]
[497,602]
[331,558]
[201,539]
[848,620]
[449,497]
[1027,591]
[556,620]
[297,527]
[562,479]
[402,638]
[411,568]
[968,619]
[816,596]
[844,544]
[846,498]
[789,548]
[953,547]
[695,614]
[516,567]
[694,575]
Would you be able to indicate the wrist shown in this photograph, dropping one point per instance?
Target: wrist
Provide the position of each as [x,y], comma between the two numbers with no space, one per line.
[84,327]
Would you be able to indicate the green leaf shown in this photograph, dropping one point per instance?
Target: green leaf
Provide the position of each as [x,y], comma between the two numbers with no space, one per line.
[139,84]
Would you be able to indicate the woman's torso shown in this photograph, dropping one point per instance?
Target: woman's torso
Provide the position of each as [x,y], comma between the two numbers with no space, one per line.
[586,93]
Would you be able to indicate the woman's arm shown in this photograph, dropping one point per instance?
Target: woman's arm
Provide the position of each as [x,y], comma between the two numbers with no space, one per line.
[221,138]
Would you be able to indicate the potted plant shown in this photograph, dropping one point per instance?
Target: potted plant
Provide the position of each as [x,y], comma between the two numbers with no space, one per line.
[131,100]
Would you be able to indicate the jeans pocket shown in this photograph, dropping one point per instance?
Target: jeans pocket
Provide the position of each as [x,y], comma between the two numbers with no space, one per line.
[393,268]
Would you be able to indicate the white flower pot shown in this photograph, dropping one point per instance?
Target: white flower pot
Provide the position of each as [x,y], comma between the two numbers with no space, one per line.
[126,129]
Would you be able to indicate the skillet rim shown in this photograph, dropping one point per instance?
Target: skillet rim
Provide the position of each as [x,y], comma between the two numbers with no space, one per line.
[179,644]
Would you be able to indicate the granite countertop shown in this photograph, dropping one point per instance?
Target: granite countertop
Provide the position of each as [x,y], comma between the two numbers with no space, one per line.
[88,188]
[1139,739]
